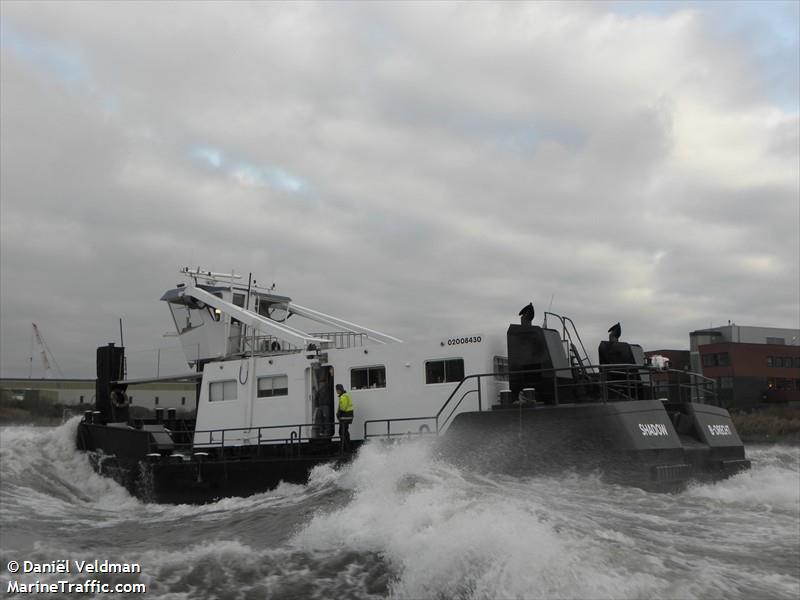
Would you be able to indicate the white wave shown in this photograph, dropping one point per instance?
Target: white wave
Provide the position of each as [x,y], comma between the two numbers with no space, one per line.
[446,534]
[773,482]
[43,473]
[43,465]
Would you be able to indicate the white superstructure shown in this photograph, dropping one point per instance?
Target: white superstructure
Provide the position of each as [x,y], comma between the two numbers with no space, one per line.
[263,378]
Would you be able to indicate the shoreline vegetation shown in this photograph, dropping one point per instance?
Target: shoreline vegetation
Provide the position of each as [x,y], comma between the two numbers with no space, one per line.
[769,426]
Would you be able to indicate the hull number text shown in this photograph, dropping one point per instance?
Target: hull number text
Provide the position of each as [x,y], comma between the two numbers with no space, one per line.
[475,339]
[649,429]
[719,429]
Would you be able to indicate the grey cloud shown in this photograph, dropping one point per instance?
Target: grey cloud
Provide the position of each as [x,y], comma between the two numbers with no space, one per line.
[460,160]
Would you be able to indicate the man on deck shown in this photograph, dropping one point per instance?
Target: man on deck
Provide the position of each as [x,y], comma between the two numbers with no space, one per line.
[345,415]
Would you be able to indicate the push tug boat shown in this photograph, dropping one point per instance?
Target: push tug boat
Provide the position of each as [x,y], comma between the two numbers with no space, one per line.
[529,402]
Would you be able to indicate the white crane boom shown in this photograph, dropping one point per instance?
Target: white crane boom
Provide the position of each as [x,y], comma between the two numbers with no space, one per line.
[44,351]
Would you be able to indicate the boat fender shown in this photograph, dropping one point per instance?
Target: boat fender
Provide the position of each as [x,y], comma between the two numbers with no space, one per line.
[119,399]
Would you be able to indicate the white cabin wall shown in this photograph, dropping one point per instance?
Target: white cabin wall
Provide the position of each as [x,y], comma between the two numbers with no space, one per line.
[295,408]
[406,394]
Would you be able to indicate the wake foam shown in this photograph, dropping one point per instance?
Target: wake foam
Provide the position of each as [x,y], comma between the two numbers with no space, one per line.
[444,534]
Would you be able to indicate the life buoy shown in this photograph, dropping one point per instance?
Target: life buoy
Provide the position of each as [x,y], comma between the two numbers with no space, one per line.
[119,399]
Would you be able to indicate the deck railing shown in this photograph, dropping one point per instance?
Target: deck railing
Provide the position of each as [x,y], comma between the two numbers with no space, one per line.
[619,382]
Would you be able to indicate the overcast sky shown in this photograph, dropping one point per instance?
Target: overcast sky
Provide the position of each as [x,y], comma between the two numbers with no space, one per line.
[417,168]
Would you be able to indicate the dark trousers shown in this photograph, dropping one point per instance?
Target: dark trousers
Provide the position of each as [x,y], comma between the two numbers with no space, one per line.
[344,428]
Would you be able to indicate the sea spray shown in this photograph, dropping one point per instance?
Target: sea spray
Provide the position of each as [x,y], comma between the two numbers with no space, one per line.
[397,522]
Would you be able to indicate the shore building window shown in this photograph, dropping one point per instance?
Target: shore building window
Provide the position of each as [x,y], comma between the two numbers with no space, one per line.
[364,378]
[221,390]
[725,383]
[274,385]
[444,371]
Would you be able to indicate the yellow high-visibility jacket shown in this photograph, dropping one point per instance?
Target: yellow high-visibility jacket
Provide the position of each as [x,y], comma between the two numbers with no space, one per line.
[345,403]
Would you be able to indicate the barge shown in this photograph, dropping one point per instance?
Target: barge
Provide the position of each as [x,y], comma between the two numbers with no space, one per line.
[527,402]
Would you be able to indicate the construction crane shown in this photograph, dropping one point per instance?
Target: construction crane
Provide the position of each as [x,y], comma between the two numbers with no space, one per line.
[44,351]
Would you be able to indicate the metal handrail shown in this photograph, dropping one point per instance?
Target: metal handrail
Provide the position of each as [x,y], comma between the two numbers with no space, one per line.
[295,436]
[605,385]
[703,385]
[389,426]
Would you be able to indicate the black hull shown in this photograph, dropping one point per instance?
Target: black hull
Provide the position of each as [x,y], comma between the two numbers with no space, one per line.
[132,457]
[645,443]
[642,443]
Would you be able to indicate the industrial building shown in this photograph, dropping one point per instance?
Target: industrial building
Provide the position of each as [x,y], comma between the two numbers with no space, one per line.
[79,393]
[751,365]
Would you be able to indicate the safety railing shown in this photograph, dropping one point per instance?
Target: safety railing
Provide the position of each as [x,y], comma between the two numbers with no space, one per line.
[244,344]
[611,383]
[428,427]
[291,437]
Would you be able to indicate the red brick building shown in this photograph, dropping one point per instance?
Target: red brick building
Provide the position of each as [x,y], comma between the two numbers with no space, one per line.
[752,365]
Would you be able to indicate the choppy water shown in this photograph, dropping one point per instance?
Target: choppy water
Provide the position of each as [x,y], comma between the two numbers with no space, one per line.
[397,524]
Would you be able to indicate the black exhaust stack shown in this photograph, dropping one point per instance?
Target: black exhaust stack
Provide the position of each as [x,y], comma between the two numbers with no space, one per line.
[110,367]
[533,348]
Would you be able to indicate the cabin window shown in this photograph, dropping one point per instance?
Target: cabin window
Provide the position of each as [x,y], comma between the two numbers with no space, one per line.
[156,402]
[444,371]
[185,317]
[81,401]
[364,378]
[500,368]
[238,300]
[222,390]
[274,385]
[183,400]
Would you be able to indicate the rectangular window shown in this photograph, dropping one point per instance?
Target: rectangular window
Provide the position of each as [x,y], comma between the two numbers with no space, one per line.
[797,362]
[81,401]
[444,371]
[371,378]
[723,359]
[770,361]
[709,360]
[156,402]
[274,385]
[221,390]
[776,340]
[183,400]
[130,399]
[726,383]
[500,368]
